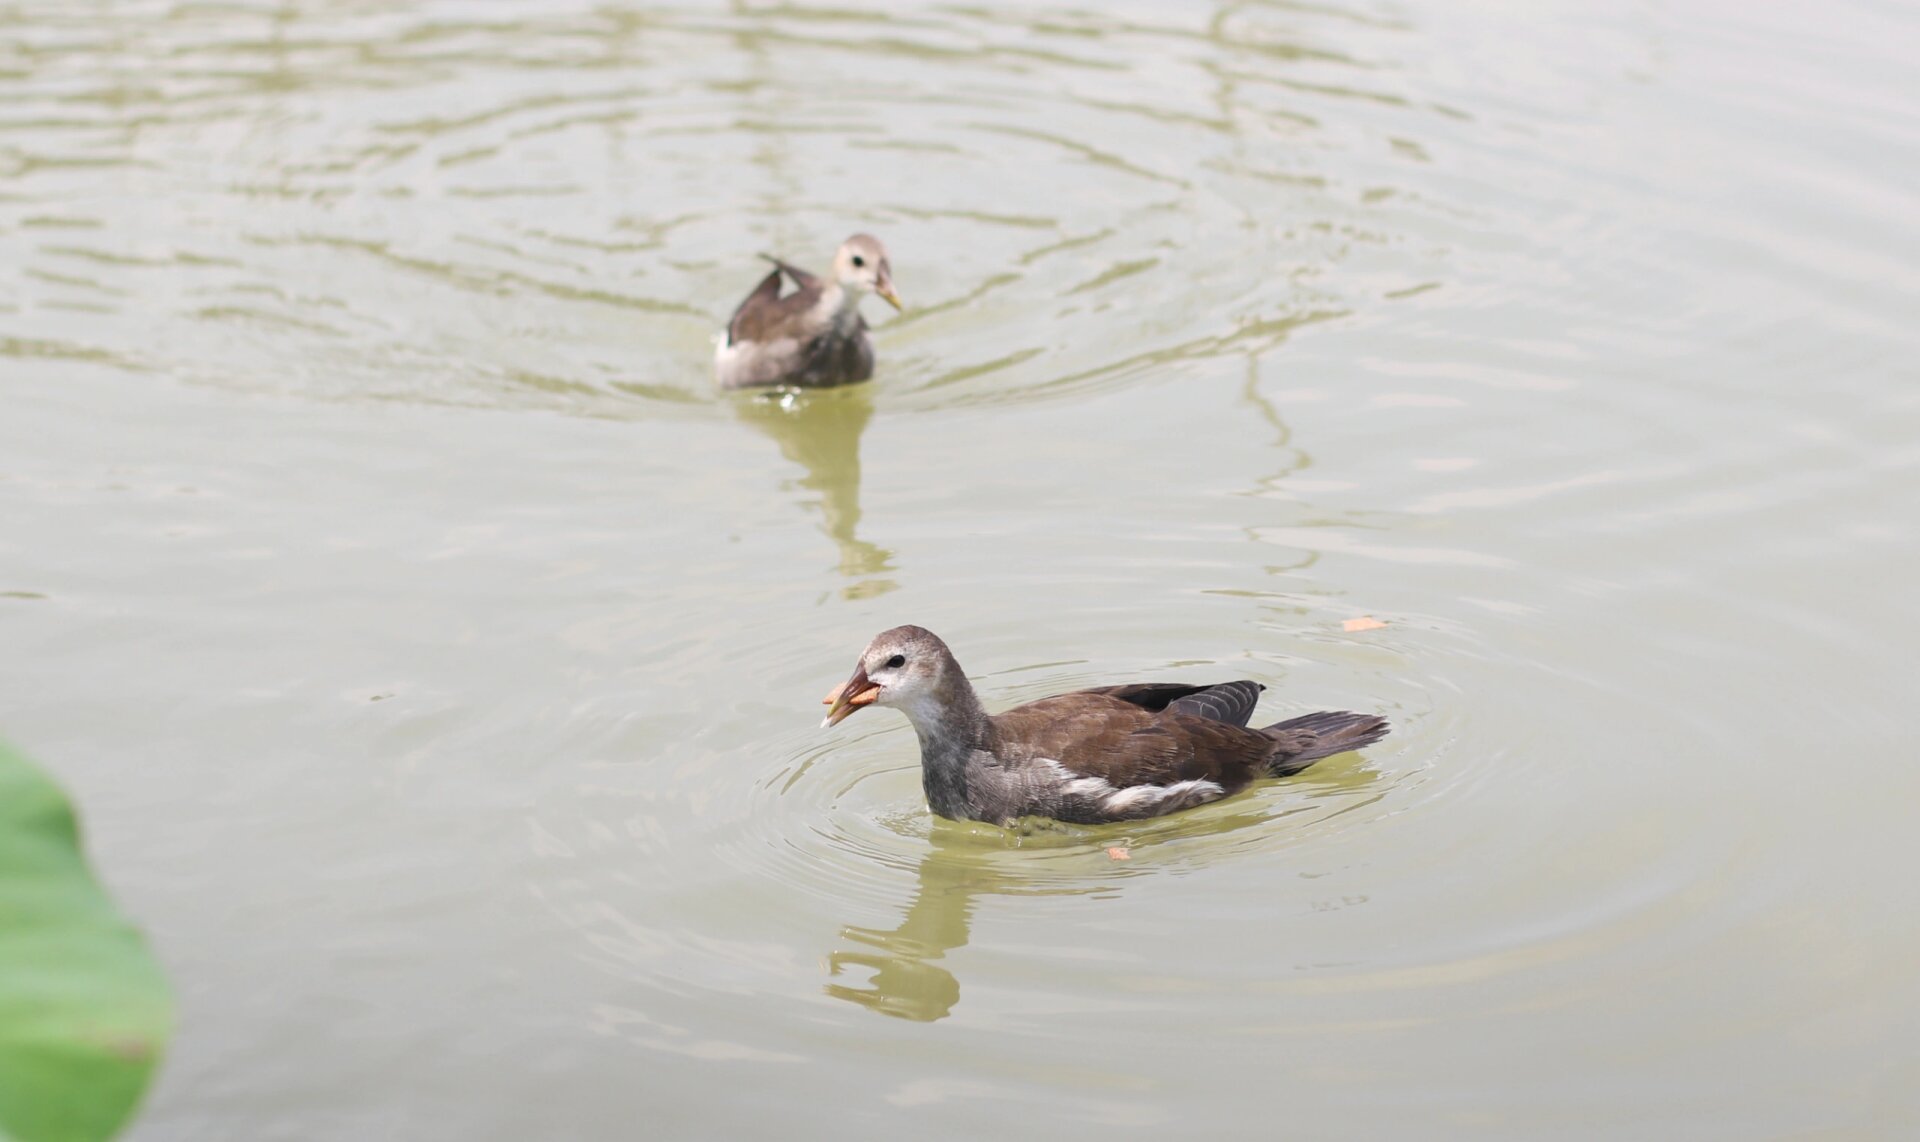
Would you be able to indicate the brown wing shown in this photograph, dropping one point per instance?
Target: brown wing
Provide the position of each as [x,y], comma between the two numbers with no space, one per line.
[1095,734]
[801,278]
[765,316]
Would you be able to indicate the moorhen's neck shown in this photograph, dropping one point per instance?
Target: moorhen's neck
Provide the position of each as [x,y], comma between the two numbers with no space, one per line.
[845,302]
[951,725]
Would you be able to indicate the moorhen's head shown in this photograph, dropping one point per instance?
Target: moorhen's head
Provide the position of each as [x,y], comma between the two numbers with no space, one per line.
[860,266]
[908,668]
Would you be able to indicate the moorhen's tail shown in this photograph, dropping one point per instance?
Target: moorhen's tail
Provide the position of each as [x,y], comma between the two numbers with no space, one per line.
[1301,741]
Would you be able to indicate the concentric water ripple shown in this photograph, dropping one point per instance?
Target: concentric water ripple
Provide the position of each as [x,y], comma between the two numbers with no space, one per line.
[388,240]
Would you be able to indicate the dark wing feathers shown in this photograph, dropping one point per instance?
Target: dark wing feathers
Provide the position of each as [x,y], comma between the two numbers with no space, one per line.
[1096,734]
[1147,695]
[1157,733]
[748,315]
[766,316]
[801,278]
[1230,702]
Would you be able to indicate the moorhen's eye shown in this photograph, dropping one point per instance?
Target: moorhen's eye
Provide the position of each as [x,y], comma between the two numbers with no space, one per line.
[859,261]
[896,662]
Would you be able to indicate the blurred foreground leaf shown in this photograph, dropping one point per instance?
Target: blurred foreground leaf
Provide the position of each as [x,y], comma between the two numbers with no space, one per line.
[84,1011]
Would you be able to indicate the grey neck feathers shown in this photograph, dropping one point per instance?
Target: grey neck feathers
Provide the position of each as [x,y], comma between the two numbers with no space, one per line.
[950,730]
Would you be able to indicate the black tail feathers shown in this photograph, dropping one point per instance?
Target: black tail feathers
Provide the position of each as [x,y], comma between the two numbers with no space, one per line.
[1310,737]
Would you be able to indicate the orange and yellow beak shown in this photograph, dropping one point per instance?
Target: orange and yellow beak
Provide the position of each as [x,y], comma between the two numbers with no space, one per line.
[849,696]
[884,287]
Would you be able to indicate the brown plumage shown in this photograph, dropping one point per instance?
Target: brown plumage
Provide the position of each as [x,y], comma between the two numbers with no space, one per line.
[1113,753]
[814,336]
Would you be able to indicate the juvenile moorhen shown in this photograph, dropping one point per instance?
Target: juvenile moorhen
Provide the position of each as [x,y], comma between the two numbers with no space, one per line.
[1114,753]
[814,337]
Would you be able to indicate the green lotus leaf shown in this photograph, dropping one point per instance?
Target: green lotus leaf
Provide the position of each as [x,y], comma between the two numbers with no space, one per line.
[84,1010]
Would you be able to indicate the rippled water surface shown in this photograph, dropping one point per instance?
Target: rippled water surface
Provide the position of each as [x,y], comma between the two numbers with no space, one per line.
[436,656]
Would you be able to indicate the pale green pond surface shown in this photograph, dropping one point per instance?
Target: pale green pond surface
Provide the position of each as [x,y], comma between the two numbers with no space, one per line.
[436,658]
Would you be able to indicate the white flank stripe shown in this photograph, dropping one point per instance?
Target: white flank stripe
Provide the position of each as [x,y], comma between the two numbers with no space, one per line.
[1136,796]
[1195,792]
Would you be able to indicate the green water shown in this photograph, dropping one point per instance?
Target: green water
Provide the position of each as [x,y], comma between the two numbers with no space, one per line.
[436,658]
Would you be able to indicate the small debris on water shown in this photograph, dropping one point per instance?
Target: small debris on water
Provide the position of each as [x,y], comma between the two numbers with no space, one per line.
[1364,622]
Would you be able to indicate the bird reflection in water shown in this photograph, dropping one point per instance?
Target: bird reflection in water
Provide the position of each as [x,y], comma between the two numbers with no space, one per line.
[965,861]
[820,432]
[908,981]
